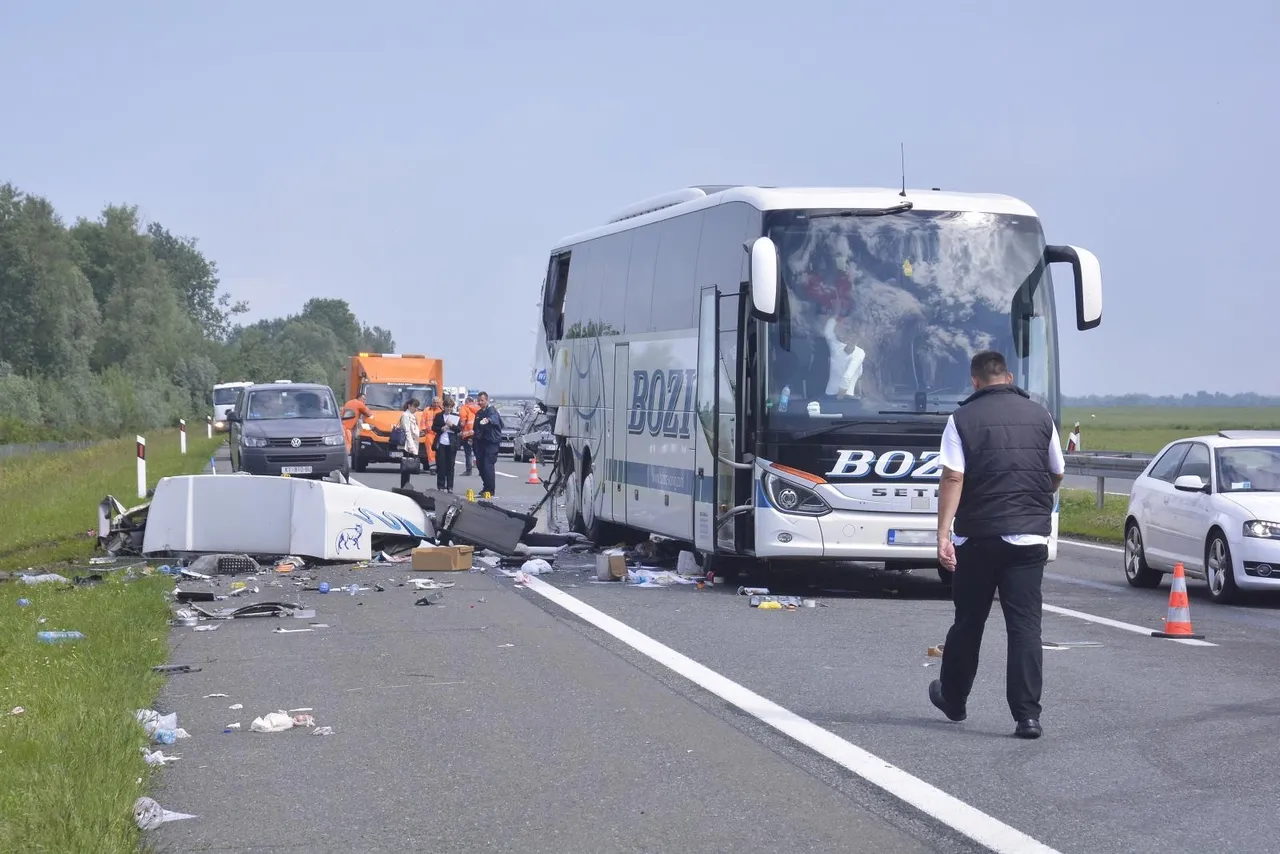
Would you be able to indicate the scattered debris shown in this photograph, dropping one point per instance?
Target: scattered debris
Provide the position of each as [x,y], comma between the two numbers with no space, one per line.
[149,815]
[157,757]
[17,710]
[657,578]
[43,578]
[936,651]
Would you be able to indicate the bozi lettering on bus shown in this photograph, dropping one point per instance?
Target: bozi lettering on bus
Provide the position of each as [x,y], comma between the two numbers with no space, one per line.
[891,465]
[662,402]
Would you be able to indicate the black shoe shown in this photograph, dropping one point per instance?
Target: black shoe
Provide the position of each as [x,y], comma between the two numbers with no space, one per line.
[951,711]
[1029,728]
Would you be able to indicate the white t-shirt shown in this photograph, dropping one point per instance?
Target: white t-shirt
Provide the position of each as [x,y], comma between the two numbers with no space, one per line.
[953,458]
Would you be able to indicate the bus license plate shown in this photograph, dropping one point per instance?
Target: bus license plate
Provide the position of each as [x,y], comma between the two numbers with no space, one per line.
[295,470]
[913,538]
[395,455]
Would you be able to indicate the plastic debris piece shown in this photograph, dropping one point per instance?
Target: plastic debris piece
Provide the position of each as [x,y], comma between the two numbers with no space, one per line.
[322,730]
[235,706]
[17,710]
[44,578]
[936,651]
[304,720]
[272,722]
[157,757]
[149,815]
[536,566]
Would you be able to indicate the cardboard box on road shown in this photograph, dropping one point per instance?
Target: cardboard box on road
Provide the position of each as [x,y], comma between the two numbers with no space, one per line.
[442,558]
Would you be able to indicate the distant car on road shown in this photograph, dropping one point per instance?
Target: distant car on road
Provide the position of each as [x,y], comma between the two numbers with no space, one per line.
[511,418]
[1211,503]
[290,429]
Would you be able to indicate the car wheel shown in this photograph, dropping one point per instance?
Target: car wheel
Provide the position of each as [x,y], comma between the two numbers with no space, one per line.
[1219,570]
[1136,570]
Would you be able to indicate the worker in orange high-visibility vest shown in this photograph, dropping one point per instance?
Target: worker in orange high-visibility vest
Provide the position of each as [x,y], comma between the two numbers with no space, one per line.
[428,415]
[361,410]
[468,412]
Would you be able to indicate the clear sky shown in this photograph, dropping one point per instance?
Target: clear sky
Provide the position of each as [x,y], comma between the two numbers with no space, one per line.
[419,159]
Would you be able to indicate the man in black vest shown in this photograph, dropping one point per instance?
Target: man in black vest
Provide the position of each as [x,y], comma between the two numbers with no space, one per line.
[1002,464]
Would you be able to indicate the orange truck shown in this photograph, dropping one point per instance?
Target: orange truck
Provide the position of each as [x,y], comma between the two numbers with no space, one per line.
[387,381]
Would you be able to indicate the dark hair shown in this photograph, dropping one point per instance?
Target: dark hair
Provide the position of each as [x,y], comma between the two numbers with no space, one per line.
[413,401]
[988,365]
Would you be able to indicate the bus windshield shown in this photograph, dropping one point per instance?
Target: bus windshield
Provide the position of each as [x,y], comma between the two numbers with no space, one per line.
[225,395]
[881,314]
[396,395]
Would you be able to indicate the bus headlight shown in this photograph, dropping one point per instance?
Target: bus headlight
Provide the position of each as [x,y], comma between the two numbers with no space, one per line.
[338,439]
[792,498]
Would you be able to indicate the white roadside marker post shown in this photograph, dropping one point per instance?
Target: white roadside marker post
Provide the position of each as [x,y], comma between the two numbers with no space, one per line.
[142,466]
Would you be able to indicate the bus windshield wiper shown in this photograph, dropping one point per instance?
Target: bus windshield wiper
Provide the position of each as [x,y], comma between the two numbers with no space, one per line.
[914,412]
[831,428]
[901,207]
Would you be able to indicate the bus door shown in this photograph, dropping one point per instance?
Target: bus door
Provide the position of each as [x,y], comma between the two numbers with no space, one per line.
[615,443]
[715,516]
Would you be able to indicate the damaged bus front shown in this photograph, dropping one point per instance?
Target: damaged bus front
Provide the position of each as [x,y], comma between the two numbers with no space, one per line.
[788,401]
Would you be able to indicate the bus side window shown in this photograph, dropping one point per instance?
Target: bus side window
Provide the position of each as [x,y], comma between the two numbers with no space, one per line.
[674,306]
[640,269]
[553,299]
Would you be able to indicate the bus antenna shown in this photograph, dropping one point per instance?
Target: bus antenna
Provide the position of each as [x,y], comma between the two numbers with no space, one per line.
[902,152]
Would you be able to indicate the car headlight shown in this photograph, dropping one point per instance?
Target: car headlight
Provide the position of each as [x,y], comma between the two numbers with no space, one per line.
[1265,530]
[336,439]
[792,498]
[254,441]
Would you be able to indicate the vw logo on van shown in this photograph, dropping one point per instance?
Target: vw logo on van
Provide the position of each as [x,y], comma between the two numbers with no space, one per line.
[295,442]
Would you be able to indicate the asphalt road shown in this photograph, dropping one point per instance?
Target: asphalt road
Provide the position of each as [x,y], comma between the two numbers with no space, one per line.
[580,737]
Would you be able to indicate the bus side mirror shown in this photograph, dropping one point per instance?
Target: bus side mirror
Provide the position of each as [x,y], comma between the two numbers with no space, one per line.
[1088,276]
[764,278]
[233,416]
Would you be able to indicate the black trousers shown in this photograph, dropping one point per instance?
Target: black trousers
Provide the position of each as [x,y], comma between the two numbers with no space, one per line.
[467,455]
[984,565]
[445,456]
[487,463]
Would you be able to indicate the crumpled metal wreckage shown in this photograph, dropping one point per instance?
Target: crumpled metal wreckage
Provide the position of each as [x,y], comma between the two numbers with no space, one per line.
[260,519]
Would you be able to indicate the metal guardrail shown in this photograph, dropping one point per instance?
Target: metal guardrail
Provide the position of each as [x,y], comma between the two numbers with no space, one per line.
[9,451]
[1107,464]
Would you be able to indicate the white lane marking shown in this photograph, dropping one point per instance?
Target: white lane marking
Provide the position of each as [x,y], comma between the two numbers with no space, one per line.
[956,814]
[1116,624]
[504,474]
[1099,546]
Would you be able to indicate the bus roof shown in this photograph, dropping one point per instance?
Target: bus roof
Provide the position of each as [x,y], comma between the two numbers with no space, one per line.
[236,384]
[690,199]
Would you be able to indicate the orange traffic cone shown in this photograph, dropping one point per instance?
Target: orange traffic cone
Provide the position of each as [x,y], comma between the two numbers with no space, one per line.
[533,471]
[1178,624]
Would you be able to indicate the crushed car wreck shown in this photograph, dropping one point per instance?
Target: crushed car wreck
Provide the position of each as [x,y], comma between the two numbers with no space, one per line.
[319,520]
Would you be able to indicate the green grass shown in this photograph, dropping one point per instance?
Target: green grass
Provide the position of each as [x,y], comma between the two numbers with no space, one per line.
[1079,517]
[1149,428]
[72,761]
[51,500]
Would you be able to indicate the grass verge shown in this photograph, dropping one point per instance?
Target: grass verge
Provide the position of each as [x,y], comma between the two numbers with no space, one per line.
[71,760]
[1080,518]
[1147,429]
[52,499]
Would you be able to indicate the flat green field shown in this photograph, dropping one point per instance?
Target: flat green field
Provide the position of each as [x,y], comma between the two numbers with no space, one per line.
[1149,428]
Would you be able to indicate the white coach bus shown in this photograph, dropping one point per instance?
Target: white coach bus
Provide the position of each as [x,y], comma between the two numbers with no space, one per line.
[766,372]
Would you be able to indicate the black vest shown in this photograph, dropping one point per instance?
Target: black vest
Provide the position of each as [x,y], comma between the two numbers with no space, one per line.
[1007,485]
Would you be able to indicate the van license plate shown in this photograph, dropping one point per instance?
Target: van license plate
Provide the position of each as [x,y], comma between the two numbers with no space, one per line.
[395,455]
[295,470]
